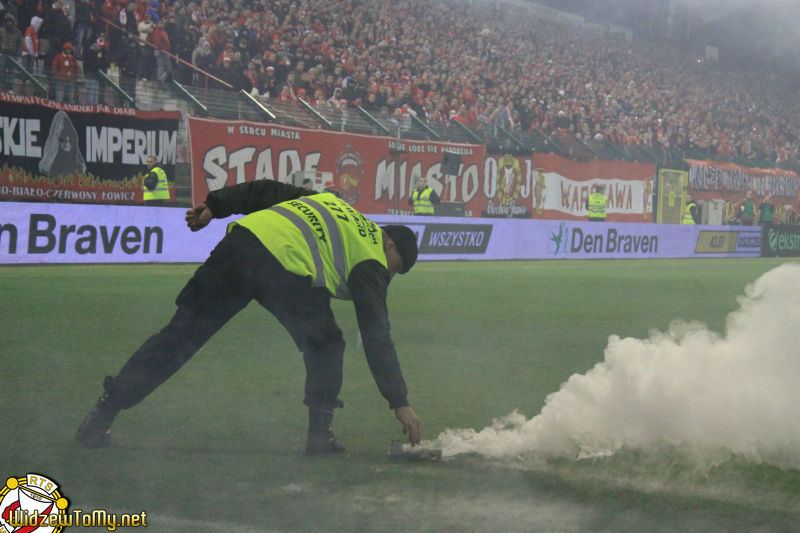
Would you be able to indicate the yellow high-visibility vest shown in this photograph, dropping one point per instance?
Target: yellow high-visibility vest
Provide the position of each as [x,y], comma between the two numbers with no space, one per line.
[597,205]
[422,202]
[320,236]
[161,192]
[687,214]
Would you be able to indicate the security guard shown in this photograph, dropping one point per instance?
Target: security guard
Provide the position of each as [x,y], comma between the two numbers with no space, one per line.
[690,213]
[747,210]
[292,253]
[156,188]
[423,197]
[596,205]
[766,212]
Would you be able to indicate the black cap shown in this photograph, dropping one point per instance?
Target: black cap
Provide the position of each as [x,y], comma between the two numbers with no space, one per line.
[406,242]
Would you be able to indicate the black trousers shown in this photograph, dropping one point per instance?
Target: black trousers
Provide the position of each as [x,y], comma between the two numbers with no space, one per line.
[239,270]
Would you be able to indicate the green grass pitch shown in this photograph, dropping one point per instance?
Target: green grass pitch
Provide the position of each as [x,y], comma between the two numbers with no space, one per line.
[219,446]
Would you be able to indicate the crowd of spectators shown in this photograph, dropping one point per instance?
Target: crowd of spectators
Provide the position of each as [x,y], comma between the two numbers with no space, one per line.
[484,66]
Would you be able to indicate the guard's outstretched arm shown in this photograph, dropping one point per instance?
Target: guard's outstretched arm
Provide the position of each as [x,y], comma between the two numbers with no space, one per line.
[251,196]
[241,199]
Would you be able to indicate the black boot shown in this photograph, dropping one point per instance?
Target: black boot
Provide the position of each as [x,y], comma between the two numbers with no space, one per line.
[321,440]
[94,430]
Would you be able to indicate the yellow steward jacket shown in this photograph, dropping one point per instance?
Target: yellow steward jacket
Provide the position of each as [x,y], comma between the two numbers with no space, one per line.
[597,205]
[320,236]
[422,201]
[161,192]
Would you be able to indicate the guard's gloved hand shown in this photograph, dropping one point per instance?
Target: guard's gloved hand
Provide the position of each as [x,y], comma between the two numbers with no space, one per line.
[198,217]
[150,181]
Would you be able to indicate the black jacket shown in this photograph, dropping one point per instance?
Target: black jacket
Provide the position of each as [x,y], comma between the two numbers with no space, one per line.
[127,58]
[96,58]
[83,13]
[368,283]
[56,26]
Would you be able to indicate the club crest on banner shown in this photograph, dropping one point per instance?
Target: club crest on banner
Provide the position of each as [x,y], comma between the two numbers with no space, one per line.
[349,171]
[509,180]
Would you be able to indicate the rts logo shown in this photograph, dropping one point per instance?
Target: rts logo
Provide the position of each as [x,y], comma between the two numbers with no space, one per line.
[31,503]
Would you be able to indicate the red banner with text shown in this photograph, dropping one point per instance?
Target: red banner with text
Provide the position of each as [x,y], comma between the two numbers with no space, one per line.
[377,174]
[722,188]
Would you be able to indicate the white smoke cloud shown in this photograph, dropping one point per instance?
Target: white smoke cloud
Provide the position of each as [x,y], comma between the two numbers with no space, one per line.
[688,387]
